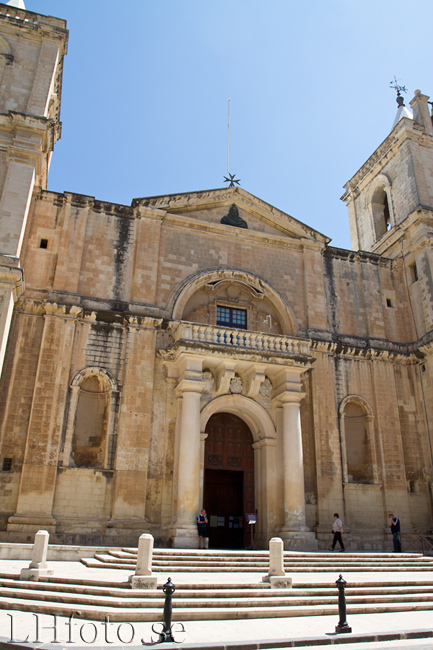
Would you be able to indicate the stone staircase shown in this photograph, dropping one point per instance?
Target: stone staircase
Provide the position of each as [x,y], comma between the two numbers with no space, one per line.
[193,561]
[218,600]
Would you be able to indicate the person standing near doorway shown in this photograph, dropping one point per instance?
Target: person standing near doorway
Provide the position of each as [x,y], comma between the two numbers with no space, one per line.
[203,538]
[337,529]
[395,530]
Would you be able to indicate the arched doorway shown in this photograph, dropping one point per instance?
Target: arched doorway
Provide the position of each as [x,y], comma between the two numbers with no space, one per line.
[228,480]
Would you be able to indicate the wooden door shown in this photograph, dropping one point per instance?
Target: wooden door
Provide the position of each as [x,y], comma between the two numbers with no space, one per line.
[229,480]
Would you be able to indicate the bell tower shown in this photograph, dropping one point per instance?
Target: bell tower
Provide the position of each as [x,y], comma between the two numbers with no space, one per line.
[32,47]
[390,203]
[395,183]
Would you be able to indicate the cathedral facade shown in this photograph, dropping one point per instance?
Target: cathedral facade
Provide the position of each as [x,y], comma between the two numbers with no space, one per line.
[206,349]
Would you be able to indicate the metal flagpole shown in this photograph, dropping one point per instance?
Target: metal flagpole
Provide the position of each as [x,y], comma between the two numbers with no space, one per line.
[228,139]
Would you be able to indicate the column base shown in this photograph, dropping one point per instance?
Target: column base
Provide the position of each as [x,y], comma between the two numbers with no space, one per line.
[35,574]
[31,524]
[299,540]
[278,582]
[142,582]
[184,536]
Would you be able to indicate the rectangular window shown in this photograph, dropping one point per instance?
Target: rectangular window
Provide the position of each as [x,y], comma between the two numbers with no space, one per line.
[231,317]
[413,272]
[7,464]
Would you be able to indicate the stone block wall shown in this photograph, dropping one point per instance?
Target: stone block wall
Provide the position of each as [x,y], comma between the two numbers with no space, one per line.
[101,295]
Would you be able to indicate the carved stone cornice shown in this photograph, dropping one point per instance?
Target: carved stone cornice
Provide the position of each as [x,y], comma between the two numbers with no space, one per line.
[382,151]
[144,322]
[190,201]
[327,347]
[368,349]
[11,277]
[426,348]
[35,23]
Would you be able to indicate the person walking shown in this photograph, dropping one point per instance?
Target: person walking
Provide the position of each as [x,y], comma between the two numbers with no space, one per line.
[395,530]
[337,529]
[203,538]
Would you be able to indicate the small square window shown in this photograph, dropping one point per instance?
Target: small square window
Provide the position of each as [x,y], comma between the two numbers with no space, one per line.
[43,243]
[7,464]
[231,317]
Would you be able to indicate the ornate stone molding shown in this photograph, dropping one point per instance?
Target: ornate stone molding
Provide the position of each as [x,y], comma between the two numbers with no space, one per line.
[12,276]
[253,382]
[224,375]
[381,152]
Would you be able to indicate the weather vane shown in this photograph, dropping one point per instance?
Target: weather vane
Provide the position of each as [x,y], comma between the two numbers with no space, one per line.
[399,89]
[232,180]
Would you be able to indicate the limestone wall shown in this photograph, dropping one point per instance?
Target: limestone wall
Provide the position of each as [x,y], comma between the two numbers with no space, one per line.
[101,252]
[73,510]
[100,296]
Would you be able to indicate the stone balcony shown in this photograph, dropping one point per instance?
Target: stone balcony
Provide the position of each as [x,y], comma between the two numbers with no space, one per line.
[239,342]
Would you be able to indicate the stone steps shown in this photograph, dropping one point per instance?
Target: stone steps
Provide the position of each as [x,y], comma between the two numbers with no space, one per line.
[206,561]
[154,614]
[219,599]
[225,597]
[155,599]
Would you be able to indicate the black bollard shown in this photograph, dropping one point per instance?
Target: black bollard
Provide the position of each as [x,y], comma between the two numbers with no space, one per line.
[166,634]
[167,628]
[343,625]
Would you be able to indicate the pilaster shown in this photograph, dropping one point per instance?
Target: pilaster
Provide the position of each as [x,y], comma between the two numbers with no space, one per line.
[39,471]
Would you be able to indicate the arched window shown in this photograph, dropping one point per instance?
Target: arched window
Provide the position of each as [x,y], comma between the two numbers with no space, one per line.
[359,456]
[89,439]
[381,206]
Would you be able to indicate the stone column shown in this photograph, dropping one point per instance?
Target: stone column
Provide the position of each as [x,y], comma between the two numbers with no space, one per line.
[188,487]
[259,497]
[294,532]
[293,466]
[203,437]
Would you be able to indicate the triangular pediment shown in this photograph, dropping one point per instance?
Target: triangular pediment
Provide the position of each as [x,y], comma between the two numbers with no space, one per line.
[208,207]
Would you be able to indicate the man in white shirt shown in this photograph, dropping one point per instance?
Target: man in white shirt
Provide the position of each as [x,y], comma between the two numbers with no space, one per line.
[337,529]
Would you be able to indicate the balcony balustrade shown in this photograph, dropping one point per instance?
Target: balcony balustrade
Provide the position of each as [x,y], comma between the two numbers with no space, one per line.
[237,338]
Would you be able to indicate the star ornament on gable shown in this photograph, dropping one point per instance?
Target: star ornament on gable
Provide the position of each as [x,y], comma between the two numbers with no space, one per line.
[232,180]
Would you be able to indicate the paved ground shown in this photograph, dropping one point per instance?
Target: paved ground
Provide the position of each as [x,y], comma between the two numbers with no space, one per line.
[22,625]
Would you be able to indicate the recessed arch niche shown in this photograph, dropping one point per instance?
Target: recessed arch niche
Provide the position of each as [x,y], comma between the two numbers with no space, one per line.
[199,295]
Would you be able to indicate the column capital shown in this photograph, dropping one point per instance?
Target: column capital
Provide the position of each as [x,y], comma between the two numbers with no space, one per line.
[189,386]
[290,397]
[288,382]
[185,366]
[265,442]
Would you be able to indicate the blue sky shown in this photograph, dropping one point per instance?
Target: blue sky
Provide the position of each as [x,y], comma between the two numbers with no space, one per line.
[146,85]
